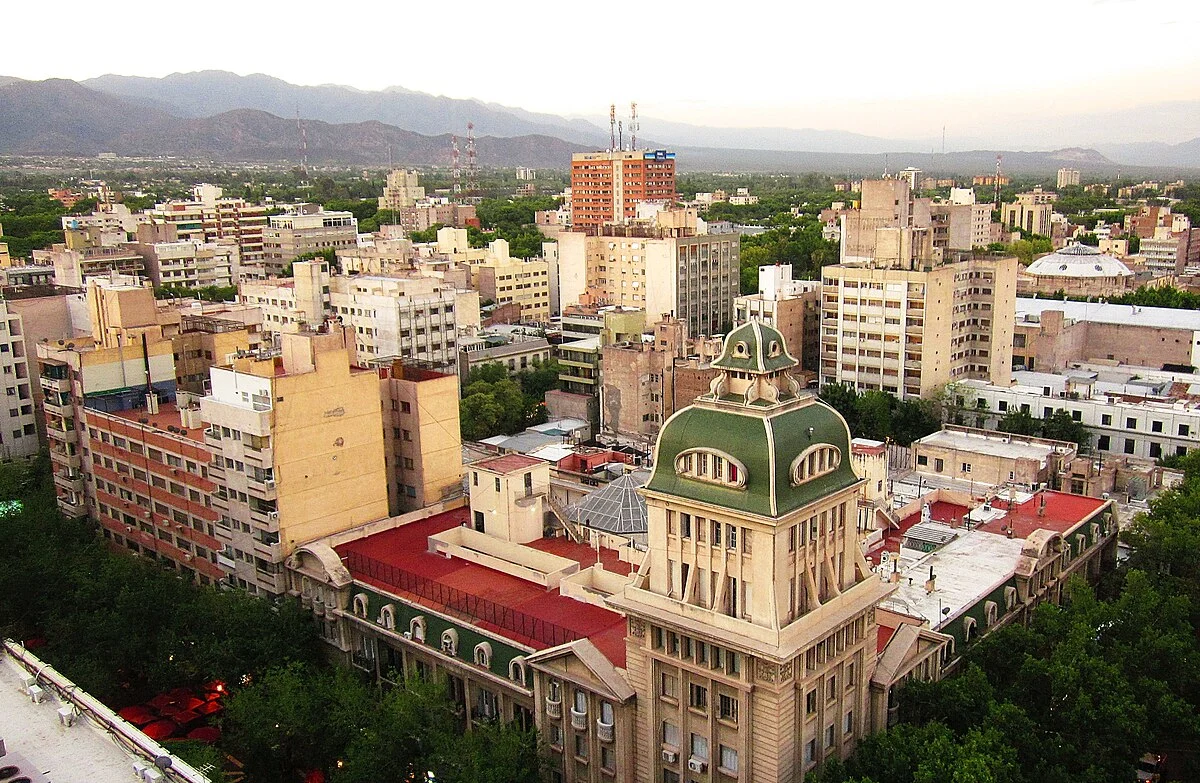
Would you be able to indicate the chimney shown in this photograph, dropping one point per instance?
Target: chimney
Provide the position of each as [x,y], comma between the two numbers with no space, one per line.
[929,583]
[895,576]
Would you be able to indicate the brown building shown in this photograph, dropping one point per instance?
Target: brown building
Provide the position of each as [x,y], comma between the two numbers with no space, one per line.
[993,458]
[791,306]
[606,187]
[1050,335]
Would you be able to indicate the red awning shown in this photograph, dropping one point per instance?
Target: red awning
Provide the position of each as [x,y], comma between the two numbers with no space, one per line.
[161,729]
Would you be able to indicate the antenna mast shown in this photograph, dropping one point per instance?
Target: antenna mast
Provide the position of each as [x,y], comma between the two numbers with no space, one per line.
[633,125]
[612,127]
[998,182]
[620,135]
[472,164]
[455,166]
[303,144]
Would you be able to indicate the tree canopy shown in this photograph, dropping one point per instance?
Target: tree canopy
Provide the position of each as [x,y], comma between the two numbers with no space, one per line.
[495,403]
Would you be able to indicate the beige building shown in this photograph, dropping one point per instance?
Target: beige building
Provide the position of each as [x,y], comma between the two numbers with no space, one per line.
[190,264]
[752,637]
[403,189]
[298,450]
[18,414]
[1067,177]
[89,253]
[892,222]
[1031,212]
[909,331]
[422,442]
[1076,270]
[306,228]
[990,458]
[663,267]
[503,279]
[791,306]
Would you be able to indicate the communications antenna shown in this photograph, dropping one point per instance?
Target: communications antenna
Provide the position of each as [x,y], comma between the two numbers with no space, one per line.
[612,127]
[998,158]
[620,135]
[455,166]
[633,125]
[472,163]
[303,139]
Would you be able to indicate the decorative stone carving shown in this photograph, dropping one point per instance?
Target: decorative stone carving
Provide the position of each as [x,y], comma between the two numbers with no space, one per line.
[637,627]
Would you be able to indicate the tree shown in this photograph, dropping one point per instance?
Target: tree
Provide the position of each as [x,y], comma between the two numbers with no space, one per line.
[1019,422]
[1061,426]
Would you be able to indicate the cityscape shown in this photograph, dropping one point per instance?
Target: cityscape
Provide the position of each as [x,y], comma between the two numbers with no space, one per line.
[457,443]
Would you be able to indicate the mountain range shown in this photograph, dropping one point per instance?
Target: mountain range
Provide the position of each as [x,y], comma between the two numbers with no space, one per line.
[223,116]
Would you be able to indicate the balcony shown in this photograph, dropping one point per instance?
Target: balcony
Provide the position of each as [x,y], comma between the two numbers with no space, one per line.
[261,487]
[63,436]
[604,731]
[52,385]
[69,480]
[267,519]
[66,459]
[272,553]
[57,403]
[579,720]
[226,563]
[73,509]
[553,707]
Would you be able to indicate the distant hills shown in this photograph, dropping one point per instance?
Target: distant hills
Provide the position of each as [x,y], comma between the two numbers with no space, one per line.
[221,116]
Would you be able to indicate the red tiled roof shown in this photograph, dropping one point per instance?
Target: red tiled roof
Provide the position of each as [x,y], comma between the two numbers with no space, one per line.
[531,614]
[1062,512]
[507,463]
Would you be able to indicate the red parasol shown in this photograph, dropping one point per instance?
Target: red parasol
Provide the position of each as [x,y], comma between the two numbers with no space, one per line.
[138,715]
[161,729]
[208,734]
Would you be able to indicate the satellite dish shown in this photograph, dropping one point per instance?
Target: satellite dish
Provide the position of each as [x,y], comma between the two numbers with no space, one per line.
[163,762]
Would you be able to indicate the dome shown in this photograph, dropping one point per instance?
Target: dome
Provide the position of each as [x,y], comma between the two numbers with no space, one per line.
[769,446]
[1078,261]
[756,348]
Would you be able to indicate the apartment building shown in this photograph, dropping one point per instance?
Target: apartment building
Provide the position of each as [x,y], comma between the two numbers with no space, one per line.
[18,414]
[647,379]
[892,221]
[191,264]
[402,317]
[305,228]
[662,266]
[503,279]
[89,253]
[422,442]
[792,307]
[606,187]
[996,459]
[210,216]
[1032,212]
[125,450]
[297,443]
[909,331]
[403,189]
[1067,178]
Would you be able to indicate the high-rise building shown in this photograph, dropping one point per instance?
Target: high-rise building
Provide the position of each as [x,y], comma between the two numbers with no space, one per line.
[402,190]
[306,228]
[606,187]
[793,307]
[908,330]
[18,416]
[893,222]
[503,279]
[1031,212]
[90,253]
[297,442]
[1067,177]
[422,442]
[662,266]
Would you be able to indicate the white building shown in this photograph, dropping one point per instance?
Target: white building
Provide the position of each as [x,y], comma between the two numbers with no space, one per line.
[191,264]
[411,318]
[18,420]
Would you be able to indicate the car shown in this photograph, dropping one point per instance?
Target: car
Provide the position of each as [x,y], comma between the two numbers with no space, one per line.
[1149,768]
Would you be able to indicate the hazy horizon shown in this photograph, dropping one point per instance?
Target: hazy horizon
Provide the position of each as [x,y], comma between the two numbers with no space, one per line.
[901,71]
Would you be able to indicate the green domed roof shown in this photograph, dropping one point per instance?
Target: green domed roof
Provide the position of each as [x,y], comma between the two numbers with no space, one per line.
[755,347]
[766,443]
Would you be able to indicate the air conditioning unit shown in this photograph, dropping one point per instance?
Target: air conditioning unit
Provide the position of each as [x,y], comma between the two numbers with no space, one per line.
[36,694]
[269,483]
[696,765]
[147,514]
[153,775]
[67,716]
[273,516]
[670,756]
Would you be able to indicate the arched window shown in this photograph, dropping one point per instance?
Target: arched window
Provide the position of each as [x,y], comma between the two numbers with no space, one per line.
[450,642]
[712,466]
[360,605]
[416,629]
[387,617]
[516,670]
[991,613]
[483,654]
[968,629]
[815,461]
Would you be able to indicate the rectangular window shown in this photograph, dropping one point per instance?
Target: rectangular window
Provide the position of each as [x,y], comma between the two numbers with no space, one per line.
[670,734]
[716,533]
[848,723]
[810,702]
[727,707]
[729,759]
[1130,423]
[699,747]
[669,686]
[685,525]
[581,746]
[1129,445]
[697,696]
[810,751]
[830,735]
[731,531]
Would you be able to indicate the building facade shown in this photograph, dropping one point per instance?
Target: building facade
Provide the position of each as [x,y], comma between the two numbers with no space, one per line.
[606,187]
[306,228]
[911,331]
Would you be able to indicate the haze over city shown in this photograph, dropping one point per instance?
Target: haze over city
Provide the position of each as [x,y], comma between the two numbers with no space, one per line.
[1031,75]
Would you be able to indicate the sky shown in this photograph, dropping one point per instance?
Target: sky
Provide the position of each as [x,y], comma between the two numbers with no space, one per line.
[893,68]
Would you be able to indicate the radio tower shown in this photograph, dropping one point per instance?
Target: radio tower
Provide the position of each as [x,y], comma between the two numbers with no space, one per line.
[455,166]
[997,182]
[633,126]
[303,144]
[612,126]
[472,164]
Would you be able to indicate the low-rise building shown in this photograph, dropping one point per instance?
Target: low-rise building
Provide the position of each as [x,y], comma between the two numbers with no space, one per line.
[305,228]
[994,459]
[1076,270]
[514,356]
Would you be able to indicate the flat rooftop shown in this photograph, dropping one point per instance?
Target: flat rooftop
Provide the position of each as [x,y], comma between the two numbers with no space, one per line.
[1106,313]
[508,463]
[1046,510]
[990,445]
[37,742]
[557,617]
[167,416]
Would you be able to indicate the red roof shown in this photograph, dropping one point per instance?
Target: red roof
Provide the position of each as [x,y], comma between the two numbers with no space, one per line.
[398,561]
[884,636]
[1062,512]
[167,416]
[508,463]
[939,511]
